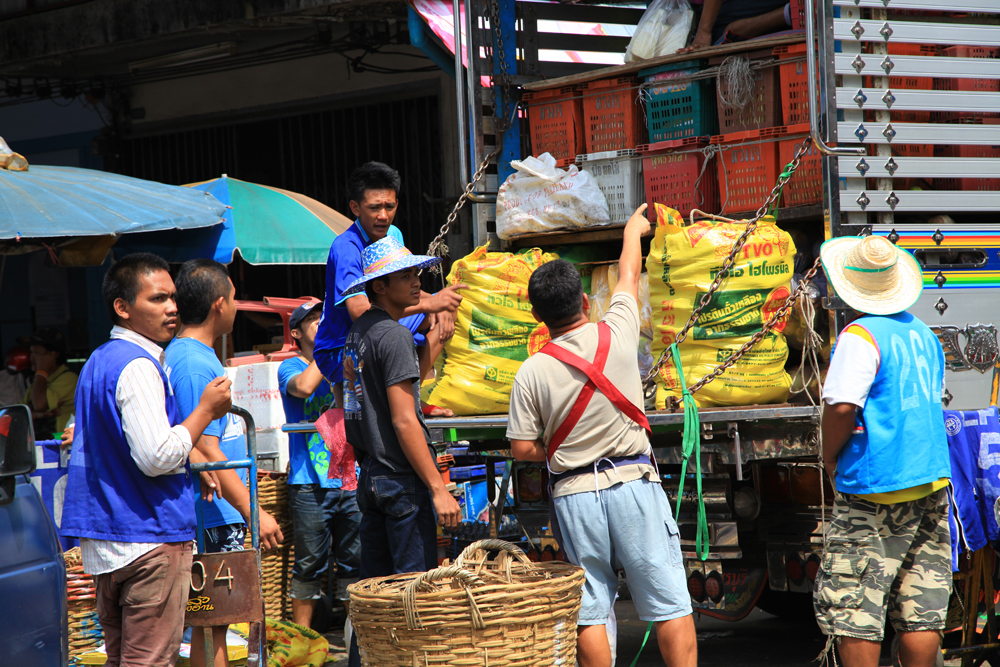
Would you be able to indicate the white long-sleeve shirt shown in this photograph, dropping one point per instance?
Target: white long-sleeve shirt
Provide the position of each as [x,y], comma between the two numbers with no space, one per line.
[157,447]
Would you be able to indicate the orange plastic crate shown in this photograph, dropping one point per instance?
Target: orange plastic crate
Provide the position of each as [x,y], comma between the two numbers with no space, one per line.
[971,184]
[747,168]
[798,13]
[909,82]
[671,169]
[984,85]
[764,108]
[990,85]
[556,121]
[612,115]
[794,84]
[805,187]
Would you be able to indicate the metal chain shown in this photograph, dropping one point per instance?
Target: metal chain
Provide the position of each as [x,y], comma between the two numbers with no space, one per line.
[765,330]
[501,123]
[437,247]
[728,265]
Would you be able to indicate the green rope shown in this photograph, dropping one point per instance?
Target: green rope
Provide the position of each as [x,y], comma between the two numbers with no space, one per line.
[649,628]
[787,173]
[691,445]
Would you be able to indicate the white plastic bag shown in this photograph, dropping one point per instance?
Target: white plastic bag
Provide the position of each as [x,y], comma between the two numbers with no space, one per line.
[539,197]
[663,28]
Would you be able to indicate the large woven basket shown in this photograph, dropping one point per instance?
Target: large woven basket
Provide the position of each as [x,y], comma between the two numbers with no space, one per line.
[85,633]
[502,612]
[276,564]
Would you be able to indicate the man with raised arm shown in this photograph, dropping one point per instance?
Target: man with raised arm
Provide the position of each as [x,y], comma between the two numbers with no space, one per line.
[577,404]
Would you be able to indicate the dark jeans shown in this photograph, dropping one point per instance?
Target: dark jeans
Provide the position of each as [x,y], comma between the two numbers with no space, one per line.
[398,527]
[321,516]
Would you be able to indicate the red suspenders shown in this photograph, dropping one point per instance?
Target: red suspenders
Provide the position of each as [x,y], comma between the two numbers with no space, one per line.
[597,380]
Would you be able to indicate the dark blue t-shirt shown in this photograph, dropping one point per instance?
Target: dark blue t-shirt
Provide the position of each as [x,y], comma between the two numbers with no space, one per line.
[343,267]
[308,457]
[191,365]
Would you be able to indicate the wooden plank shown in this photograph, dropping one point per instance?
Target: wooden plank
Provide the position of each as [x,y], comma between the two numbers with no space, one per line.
[598,43]
[584,14]
[632,68]
[584,235]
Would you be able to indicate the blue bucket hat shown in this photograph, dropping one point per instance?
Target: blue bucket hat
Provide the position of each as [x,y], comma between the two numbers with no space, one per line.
[382,258]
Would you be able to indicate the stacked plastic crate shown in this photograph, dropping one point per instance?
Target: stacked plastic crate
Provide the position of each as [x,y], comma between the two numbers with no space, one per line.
[972,118]
[681,113]
[758,138]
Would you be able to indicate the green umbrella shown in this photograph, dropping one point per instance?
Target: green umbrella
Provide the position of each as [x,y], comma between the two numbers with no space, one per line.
[267,225]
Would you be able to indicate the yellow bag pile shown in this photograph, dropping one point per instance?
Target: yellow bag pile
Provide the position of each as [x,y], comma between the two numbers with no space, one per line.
[494,332]
[682,263]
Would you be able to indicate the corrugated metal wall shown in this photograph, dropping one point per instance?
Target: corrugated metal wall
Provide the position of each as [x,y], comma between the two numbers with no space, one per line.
[314,154]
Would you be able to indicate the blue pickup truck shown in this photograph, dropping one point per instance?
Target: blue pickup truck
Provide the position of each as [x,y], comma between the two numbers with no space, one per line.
[33,619]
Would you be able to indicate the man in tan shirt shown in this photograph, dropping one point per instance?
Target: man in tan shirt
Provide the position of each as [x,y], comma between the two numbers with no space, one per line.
[579,409]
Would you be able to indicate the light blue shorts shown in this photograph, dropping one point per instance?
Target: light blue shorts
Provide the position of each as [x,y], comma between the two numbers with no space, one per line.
[627,526]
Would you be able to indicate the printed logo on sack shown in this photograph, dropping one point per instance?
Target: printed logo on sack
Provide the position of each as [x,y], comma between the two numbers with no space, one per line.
[775,300]
[498,336]
[538,338]
[953,425]
[730,314]
[494,374]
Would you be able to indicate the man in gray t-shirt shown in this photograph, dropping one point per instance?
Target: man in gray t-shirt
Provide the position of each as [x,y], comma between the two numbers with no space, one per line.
[400,489]
[379,353]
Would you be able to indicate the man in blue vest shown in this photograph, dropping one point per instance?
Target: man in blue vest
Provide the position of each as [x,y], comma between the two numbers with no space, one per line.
[888,549]
[129,494]
[374,191]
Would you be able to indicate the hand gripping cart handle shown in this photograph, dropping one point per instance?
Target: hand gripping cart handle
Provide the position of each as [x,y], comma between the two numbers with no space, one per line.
[226,587]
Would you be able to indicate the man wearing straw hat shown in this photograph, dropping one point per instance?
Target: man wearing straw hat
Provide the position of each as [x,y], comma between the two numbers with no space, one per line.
[400,490]
[888,549]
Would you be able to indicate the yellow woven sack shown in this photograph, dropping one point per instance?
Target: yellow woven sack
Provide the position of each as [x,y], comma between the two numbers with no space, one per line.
[603,282]
[494,332]
[682,263]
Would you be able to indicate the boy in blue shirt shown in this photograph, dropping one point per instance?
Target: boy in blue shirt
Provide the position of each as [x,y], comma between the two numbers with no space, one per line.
[206,308]
[374,191]
[322,511]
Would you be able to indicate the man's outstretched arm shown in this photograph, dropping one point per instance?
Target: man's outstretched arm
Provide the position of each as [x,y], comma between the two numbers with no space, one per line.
[630,263]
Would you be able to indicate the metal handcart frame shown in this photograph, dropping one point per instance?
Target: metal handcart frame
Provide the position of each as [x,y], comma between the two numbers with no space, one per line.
[240,596]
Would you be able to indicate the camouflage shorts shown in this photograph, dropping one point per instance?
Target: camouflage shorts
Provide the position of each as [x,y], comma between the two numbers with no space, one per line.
[885,558]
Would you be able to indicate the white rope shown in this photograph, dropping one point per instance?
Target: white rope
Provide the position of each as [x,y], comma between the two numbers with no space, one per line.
[709,152]
[810,352]
[736,72]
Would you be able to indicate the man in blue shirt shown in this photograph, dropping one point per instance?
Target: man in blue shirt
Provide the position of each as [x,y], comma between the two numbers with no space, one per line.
[887,551]
[206,308]
[374,191]
[322,511]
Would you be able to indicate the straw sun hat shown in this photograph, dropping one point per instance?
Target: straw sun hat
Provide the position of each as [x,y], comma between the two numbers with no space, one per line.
[872,275]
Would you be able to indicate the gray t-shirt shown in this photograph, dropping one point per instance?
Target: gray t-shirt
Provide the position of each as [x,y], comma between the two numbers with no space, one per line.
[379,352]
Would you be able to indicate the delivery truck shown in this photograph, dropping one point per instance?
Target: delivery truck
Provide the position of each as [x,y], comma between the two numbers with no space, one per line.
[893,108]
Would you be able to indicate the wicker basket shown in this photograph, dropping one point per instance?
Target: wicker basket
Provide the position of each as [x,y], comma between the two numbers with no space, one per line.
[85,633]
[502,612]
[276,564]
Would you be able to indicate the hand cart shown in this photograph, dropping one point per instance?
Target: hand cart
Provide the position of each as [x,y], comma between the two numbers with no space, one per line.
[226,587]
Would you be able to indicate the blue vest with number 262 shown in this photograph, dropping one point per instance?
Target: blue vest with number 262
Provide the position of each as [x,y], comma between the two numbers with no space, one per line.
[903,442]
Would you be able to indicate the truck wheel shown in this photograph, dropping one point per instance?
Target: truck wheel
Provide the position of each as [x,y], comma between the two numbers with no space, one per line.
[786,605]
